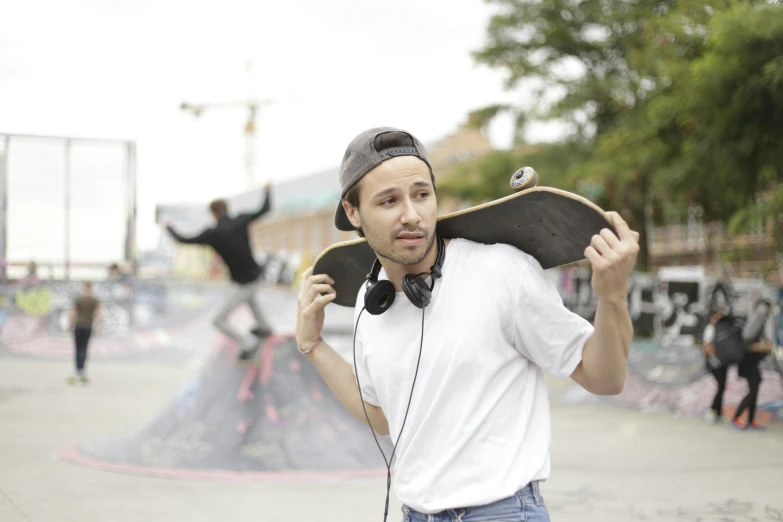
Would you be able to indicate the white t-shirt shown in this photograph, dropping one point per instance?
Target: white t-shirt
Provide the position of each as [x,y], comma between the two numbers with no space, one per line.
[478,428]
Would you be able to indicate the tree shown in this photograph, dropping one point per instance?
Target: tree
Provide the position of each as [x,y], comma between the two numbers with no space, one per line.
[488,178]
[587,50]
[666,101]
[728,108]
[597,53]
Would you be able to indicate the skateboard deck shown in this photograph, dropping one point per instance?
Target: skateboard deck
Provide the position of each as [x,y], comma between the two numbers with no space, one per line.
[553,226]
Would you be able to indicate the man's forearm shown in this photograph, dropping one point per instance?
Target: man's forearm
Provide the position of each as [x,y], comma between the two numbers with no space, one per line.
[606,353]
[174,234]
[339,376]
[201,239]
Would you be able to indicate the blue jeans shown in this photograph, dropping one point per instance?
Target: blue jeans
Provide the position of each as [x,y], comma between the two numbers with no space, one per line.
[526,505]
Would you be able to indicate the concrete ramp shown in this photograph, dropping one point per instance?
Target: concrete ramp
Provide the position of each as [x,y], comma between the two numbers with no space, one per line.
[674,379]
[246,421]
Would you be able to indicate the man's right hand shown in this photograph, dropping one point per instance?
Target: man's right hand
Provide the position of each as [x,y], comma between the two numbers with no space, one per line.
[310,313]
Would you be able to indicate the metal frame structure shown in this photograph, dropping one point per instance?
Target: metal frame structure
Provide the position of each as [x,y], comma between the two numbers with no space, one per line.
[129,181]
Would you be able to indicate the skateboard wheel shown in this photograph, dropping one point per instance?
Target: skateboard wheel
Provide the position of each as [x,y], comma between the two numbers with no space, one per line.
[524,178]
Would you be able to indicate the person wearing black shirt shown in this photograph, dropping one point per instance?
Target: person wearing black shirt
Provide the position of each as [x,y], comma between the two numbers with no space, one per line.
[229,238]
[758,348]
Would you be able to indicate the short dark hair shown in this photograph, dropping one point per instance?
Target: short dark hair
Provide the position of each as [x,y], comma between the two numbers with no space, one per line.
[219,207]
[388,140]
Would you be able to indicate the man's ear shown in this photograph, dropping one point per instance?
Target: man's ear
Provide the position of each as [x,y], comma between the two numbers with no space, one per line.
[352,213]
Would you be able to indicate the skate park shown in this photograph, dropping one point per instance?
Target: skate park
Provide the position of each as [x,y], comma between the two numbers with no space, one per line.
[674,131]
[184,422]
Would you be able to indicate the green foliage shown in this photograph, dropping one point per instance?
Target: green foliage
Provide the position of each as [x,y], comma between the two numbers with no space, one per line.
[727,108]
[481,118]
[592,52]
[488,178]
[671,103]
[768,207]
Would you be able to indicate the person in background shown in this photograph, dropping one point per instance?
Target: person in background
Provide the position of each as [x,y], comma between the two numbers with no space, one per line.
[31,279]
[758,347]
[715,367]
[230,239]
[114,272]
[85,315]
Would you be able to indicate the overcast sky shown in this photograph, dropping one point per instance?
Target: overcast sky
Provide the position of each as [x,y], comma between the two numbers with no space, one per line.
[121,69]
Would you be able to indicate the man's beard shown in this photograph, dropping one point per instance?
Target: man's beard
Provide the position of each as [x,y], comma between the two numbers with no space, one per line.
[384,247]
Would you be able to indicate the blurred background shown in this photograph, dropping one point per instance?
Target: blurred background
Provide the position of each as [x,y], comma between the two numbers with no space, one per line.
[118,117]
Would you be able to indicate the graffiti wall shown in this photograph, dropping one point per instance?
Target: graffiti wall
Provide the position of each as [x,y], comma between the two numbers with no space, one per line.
[672,308]
[669,312]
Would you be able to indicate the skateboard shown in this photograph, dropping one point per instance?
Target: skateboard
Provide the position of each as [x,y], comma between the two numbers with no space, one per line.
[553,226]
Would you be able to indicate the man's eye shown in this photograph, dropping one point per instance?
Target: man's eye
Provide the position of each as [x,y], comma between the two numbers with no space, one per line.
[387,201]
[423,195]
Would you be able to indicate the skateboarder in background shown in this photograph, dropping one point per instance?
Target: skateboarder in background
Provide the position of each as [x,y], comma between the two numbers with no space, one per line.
[230,240]
[85,316]
[461,353]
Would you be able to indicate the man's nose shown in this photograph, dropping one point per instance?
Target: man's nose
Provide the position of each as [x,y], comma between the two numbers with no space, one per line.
[409,214]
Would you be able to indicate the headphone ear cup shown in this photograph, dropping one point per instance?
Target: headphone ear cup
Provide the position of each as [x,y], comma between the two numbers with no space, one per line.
[416,290]
[379,297]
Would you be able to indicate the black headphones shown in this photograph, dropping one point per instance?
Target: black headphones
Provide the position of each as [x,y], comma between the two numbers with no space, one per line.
[380,294]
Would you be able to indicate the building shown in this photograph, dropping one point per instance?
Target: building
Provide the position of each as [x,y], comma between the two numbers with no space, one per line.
[301,222]
[751,255]
[301,225]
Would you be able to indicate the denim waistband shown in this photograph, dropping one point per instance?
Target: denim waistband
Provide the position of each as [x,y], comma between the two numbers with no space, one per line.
[530,494]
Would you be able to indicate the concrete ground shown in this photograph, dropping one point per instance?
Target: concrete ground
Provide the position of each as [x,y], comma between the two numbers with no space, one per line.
[608,464]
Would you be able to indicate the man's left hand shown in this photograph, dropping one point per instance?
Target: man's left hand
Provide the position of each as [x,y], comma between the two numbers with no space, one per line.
[613,259]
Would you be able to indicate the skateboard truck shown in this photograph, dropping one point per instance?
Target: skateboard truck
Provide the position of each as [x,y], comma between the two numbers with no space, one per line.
[524,178]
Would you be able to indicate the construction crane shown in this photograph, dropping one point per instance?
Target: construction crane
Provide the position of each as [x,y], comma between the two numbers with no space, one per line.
[252,105]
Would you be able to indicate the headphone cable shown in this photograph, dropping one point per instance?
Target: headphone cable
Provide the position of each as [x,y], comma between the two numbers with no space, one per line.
[410,398]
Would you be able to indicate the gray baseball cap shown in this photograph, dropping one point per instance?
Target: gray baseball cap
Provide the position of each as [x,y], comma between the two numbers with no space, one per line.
[361,157]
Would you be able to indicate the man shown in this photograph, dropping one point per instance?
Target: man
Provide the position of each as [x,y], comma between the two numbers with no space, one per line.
[31,279]
[750,370]
[722,343]
[115,274]
[757,348]
[478,427]
[715,366]
[229,238]
[85,313]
